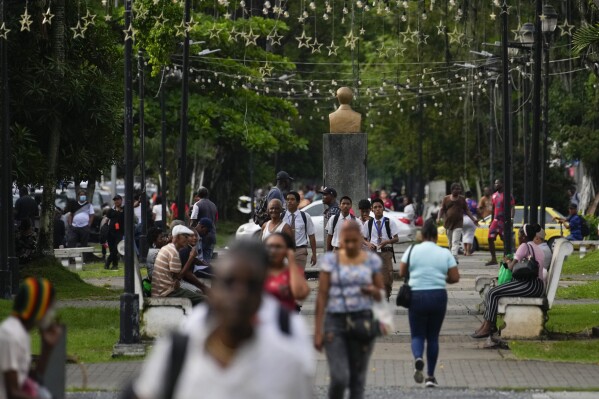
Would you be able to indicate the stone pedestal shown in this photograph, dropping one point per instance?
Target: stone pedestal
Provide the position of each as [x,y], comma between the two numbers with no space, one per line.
[344,165]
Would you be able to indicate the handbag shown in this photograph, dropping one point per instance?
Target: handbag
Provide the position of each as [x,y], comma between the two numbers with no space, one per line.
[361,325]
[526,268]
[505,274]
[404,296]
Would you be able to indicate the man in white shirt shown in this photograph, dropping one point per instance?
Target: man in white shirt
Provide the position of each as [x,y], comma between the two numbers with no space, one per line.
[334,225]
[303,229]
[380,234]
[79,221]
[231,352]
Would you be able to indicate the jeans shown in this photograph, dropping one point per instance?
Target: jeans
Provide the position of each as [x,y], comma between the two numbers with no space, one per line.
[113,242]
[194,297]
[426,315]
[347,358]
[454,239]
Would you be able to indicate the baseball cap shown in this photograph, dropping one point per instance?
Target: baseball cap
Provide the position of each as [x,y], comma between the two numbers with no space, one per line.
[282,175]
[329,190]
[116,197]
[177,230]
[205,222]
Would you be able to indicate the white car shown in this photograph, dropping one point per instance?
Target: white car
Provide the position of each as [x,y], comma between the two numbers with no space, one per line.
[407,231]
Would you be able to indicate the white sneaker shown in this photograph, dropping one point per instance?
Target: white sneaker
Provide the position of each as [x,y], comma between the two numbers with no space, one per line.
[418,367]
[431,382]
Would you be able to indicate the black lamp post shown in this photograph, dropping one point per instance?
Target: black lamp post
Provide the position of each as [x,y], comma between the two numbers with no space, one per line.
[527,41]
[549,24]
[143,198]
[536,114]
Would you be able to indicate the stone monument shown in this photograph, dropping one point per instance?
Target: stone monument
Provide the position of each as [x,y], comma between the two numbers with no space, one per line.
[345,151]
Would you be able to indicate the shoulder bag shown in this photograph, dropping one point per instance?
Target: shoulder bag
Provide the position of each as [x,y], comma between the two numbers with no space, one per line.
[404,296]
[360,325]
[526,268]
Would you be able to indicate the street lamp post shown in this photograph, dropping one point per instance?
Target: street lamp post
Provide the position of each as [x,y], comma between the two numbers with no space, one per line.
[143,198]
[184,120]
[549,24]
[527,40]
[536,114]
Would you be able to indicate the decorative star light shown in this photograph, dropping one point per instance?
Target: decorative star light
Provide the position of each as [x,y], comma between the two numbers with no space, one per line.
[516,33]
[316,46]
[542,17]
[399,51]
[350,40]
[250,37]
[455,36]
[441,28]
[266,70]
[332,48]
[408,35]
[492,16]
[505,9]
[129,33]
[107,17]
[160,20]
[301,19]
[362,31]
[233,34]
[25,21]
[78,30]
[382,50]
[90,18]
[422,38]
[227,15]
[181,29]
[4,31]
[565,28]
[303,40]
[191,24]
[215,32]
[274,37]
[47,17]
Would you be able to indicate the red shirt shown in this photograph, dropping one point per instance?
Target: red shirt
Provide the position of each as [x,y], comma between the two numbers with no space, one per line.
[499,206]
[175,210]
[278,285]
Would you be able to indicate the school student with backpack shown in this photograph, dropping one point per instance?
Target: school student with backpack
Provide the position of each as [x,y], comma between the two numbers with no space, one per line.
[575,223]
[380,234]
[303,230]
[334,224]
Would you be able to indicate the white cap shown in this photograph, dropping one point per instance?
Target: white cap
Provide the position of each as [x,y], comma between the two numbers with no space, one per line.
[177,230]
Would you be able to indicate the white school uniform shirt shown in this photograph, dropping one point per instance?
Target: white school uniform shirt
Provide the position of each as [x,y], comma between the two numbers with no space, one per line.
[15,351]
[374,235]
[338,226]
[265,367]
[81,218]
[300,228]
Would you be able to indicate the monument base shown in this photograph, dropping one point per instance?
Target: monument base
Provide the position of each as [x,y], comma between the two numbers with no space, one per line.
[345,166]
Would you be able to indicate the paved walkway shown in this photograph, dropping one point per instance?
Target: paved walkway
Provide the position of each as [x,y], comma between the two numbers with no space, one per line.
[463,362]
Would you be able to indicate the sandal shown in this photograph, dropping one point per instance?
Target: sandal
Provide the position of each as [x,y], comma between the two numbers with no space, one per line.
[478,335]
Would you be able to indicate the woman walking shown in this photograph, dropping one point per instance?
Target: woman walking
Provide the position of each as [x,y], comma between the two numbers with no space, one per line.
[469,227]
[429,268]
[350,280]
[285,280]
[276,223]
[532,288]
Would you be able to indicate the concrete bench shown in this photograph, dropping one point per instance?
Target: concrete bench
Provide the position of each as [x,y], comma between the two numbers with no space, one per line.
[526,317]
[585,245]
[66,254]
[158,316]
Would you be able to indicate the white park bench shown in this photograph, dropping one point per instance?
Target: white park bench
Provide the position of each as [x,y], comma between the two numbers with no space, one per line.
[158,316]
[585,245]
[66,254]
[526,317]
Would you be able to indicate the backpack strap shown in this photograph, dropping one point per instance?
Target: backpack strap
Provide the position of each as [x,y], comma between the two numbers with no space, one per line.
[387,224]
[305,219]
[335,220]
[179,343]
[370,224]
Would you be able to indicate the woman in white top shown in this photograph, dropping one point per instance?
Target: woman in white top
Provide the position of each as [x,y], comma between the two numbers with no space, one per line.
[410,210]
[275,224]
[157,213]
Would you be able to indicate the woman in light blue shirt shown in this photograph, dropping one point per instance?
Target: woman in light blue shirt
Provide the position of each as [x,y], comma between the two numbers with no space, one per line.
[430,268]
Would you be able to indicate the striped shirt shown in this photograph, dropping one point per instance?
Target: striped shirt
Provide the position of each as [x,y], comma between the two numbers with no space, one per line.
[166,266]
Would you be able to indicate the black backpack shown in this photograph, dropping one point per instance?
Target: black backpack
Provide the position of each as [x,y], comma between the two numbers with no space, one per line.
[261,212]
[584,227]
[336,219]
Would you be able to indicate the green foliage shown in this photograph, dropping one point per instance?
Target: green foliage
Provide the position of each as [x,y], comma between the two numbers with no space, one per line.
[566,319]
[593,222]
[585,38]
[583,351]
[588,290]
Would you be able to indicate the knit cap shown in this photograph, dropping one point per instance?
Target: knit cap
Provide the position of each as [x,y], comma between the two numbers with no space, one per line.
[33,299]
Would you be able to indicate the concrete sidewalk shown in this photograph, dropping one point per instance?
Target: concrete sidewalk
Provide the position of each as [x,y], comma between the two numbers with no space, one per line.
[463,363]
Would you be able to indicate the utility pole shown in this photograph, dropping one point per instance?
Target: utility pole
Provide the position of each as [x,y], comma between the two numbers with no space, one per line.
[143,198]
[507,133]
[184,120]
[526,115]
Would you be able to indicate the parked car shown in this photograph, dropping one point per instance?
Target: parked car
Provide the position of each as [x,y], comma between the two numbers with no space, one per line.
[407,231]
[553,230]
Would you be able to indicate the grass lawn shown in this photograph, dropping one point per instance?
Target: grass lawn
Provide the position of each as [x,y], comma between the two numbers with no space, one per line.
[583,351]
[587,265]
[564,319]
[91,332]
[589,290]
[225,232]
[96,270]
[68,285]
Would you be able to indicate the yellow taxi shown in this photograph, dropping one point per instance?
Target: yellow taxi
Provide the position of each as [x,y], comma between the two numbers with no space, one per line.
[553,230]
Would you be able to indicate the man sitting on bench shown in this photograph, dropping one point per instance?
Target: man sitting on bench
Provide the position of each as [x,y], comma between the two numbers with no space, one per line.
[168,271]
[573,222]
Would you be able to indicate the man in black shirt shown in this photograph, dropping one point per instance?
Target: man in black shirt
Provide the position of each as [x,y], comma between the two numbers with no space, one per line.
[116,224]
[26,207]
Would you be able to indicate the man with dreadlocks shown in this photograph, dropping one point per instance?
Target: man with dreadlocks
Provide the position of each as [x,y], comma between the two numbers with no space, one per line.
[33,308]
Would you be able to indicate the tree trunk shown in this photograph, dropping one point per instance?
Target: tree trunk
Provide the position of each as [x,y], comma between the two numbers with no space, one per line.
[46,234]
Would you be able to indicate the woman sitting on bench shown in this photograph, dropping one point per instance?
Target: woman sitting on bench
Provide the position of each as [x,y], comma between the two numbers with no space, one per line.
[532,288]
